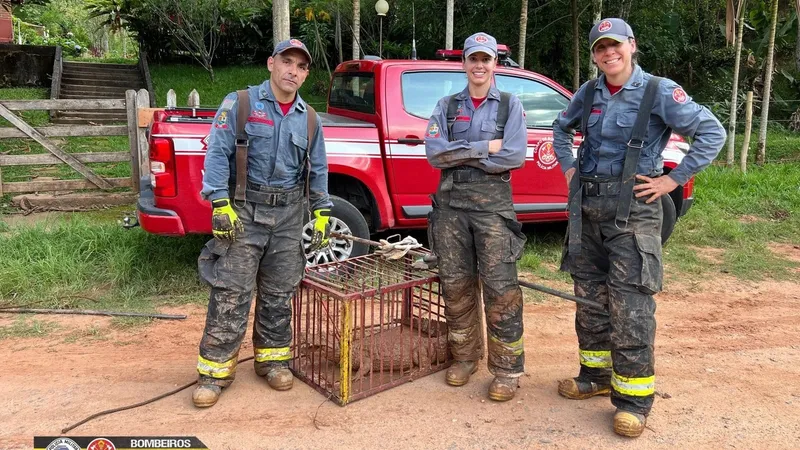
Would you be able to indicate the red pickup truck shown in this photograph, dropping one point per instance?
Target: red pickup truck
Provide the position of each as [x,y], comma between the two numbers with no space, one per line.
[379,176]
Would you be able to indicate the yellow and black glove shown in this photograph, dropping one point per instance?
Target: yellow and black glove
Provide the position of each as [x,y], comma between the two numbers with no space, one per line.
[322,229]
[224,222]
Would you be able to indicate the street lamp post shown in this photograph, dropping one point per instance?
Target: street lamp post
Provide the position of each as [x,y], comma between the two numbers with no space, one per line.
[381,7]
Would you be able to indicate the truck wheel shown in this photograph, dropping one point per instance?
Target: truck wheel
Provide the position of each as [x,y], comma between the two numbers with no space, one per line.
[345,219]
[669,219]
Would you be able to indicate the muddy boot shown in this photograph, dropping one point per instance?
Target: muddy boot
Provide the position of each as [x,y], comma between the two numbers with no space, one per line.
[206,395]
[577,389]
[628,423]
[458,373]
[278,375]
[503,389]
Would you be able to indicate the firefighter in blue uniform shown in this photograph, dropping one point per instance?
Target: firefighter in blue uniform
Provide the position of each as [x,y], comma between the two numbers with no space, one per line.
[258,237]
[613,249]
[473,227]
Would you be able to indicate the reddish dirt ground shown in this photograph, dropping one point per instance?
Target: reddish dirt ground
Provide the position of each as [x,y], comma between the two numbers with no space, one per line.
[728,375]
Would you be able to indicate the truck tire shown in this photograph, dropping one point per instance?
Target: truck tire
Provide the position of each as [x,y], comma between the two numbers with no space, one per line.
[345,219]
[669,218]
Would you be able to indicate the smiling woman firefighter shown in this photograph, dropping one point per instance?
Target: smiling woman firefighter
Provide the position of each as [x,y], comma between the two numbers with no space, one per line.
[613,248]
[477,137]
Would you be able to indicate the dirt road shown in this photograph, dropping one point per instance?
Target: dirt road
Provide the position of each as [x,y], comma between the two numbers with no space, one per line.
[728,375]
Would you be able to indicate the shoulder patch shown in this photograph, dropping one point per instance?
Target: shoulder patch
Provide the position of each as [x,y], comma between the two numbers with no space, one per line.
[679,95]
[228,103]
[433,130]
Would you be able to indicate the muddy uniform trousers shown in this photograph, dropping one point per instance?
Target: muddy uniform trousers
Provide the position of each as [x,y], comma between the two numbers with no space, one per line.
[619,266]
[474,232]
[269,257]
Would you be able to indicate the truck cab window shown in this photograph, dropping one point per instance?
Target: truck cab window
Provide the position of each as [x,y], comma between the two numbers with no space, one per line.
[540,102]
[421,90]
[353,91]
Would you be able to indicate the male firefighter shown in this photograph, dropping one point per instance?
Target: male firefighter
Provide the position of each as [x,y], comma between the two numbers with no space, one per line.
[265,148]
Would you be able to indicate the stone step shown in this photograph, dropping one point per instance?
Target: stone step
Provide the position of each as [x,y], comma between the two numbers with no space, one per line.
[94,96]
[111,82]
[83,66]
[77,89]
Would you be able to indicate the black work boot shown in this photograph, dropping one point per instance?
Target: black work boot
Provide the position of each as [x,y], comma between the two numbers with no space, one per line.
[578,389]
[277,374]
[459,372]
[206,395]
[629,424]
[503,389]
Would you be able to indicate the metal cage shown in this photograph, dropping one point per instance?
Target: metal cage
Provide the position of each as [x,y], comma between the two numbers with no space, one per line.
[367,324]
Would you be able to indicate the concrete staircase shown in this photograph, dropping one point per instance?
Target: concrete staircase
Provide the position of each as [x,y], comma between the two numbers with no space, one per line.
[80,80]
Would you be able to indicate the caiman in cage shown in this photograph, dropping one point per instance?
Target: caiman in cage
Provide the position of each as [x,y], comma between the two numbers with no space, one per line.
[367,324]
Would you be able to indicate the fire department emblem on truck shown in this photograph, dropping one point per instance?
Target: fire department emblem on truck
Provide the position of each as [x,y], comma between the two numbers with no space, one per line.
[545,155]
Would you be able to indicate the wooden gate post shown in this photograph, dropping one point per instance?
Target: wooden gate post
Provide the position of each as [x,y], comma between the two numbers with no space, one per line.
[143,101]
[133,140]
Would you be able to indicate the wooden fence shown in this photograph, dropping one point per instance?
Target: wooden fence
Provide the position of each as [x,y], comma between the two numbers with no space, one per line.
[137,105]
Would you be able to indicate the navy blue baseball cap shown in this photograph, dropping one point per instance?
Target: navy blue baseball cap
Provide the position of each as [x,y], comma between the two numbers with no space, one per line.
[612,28]
[291,44]
[480,42]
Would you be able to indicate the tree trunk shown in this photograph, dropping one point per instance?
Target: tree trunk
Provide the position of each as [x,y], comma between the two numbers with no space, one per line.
[597,11]
[735,93]
[797,42]
[523,29]
[280,21]
[448,38]
[356,29]
[576,59]
[625,9]
[761,150]
[338,35]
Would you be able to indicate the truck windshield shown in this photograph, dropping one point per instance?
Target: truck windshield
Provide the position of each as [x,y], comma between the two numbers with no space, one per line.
[354,91]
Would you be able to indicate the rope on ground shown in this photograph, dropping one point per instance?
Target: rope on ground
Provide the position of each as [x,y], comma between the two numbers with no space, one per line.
[136,405]
[90,312]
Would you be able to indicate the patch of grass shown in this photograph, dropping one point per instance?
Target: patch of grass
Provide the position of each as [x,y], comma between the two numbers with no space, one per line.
[183,78]
[782,146]
[34,118]
[741,213]
[60,263]
[542,255]
[25,326]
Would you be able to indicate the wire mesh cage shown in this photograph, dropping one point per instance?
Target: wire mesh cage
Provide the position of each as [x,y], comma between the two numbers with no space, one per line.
[367,324]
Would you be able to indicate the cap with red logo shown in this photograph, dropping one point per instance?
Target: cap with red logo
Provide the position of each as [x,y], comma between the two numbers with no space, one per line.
[290,44]
[480,42]
[612,28]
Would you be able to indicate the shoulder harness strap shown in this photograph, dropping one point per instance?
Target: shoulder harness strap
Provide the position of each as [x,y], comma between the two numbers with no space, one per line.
[242,142]
[502,114]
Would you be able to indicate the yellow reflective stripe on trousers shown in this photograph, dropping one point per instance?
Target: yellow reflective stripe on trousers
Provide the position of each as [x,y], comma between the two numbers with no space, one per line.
[515,348]
[635,387]
[596,358]
[215,369]
[273,354]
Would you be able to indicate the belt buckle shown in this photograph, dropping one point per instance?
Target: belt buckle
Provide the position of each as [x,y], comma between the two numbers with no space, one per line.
[272,199]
